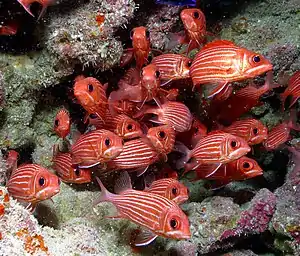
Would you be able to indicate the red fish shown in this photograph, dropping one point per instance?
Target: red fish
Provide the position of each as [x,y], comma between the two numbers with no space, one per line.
[195,27]
[216,148]
[32,183]
[251,130]
[62,164]
[172,66]
[96,147]
[27,4]
[240,169]
[91,95]
[172,113]
[157,214]
[171,189]
[293,89]
[222,62]
[163,139]
[167,172]
[9,29]
[11,162]
[62,123]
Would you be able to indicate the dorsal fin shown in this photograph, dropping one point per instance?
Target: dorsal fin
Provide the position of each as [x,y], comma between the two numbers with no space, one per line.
[217,43]
[123,183]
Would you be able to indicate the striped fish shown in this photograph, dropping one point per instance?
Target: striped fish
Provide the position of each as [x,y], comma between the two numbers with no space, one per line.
[293,89]
[96,147]
[221,62]
[171,189]
[137,155]
[172,66]
[157,214]
[32,183]
[91,95]
[62,123]
[62,164]
[174,114]
[251,130]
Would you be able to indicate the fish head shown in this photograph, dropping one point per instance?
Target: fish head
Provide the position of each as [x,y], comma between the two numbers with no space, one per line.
[183,67]
[248,167]
[128,128]
[80,176]
[174,223]
[46,184]
[140,37]
[150,78]
[162,137]
[258,133]
[193,20]
[236,147]
[111,145]
[177,192]
[62,123]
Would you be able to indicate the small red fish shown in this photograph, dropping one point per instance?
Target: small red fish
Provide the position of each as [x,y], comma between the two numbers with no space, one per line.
[172,113]
[91,95]
[167,172]
[293,89]
[62,123]
[96,147]
[32,183]
[9,29]
[157,214]
[221,62]
[27,4]
[171,189]
[251,130]
[62,164]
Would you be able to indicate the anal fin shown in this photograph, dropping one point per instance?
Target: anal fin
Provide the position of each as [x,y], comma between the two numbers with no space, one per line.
[144,237]
[215,89]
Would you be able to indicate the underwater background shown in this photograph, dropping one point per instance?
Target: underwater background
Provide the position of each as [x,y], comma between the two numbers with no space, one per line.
[40,61]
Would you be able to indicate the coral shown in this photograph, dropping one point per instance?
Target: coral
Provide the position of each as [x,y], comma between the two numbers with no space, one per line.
[2,170]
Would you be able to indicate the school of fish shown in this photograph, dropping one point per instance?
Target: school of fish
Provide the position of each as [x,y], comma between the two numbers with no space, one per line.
[145,122]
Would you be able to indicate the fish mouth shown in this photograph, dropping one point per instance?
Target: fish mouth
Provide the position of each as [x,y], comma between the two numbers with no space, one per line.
[239,152]
[254,173]
[180,199]
[112,152]
[258,139]
[259,69]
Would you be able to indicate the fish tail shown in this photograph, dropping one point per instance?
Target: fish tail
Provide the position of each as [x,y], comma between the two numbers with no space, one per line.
[105,195]
[180,147]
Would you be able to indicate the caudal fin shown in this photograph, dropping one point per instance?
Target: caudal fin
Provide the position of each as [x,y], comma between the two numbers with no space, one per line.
[105,195]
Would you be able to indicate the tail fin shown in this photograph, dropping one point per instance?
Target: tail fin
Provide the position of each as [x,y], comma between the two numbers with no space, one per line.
[105,196]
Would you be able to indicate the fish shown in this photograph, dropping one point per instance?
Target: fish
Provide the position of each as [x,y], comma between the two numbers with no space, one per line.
[167,172]
[157,215]
[95,147]
[45,3]
[62,123]
[11,161]
[216,148]
[177,3]
[32,183]
[172,66]
[194,22]
[172,113]
[163,139]
[292,90]
[91,95]
[68,173]
[221,62]
[251,130]
[169,188]
[9,29]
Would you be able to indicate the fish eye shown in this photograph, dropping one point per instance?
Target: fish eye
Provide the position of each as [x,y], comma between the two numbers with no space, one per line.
[56,122]
[174,191]
[173,223]
[161,134]
[41,181]
[93,116]
[256,59]
[77,171]
[196,15]
[147,34]
[131,34]
[246,165]
[90,87]
[157,74]
[130,127]
[107,142]
[196,130]
[233,143]
[189,63]
[255,131]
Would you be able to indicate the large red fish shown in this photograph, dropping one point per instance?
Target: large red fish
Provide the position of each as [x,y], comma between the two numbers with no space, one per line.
[91,95]
[251,130]
[221,62]
[96,147]
[157,214]
[27,4]
[293,89]
[32,183]
[62,123]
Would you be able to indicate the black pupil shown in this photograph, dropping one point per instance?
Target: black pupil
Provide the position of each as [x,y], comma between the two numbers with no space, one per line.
[129,127]
[174,191]
[93,116]
[107,142]
[233,144]
[196,15]
[256,59]
[189,63]
[56,122]
[255,131]
[157,74]
[246,165]
[91,87]
[77,171]
[147,34]
[162,134]
[173,223]
[42,181]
